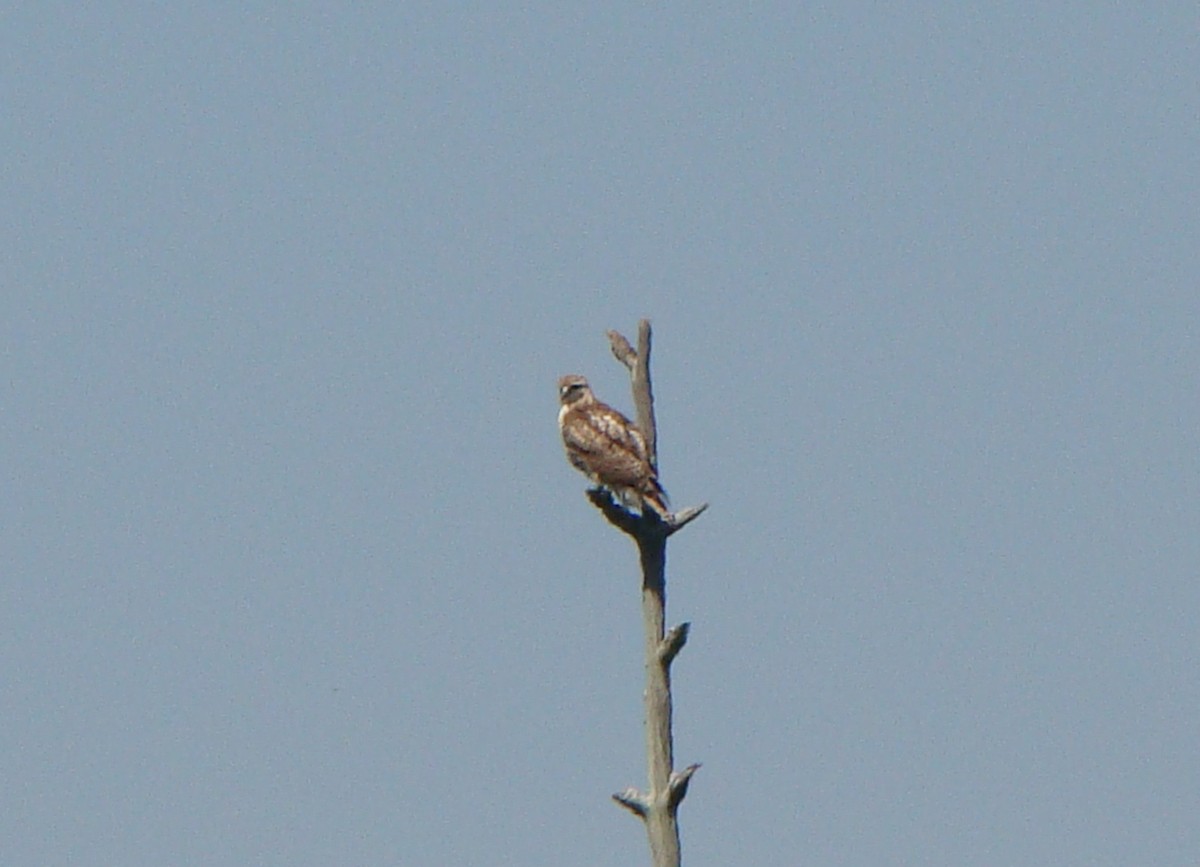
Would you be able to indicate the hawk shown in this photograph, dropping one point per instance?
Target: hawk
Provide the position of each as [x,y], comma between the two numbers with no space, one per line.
[607,447]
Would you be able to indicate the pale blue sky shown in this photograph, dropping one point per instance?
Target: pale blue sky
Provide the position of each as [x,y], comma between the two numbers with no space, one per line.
[294,572]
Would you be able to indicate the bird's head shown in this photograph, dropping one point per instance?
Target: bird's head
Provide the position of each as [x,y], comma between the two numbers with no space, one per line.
[573,388]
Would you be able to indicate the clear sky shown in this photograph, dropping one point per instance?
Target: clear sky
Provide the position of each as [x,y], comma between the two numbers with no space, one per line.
[294,571]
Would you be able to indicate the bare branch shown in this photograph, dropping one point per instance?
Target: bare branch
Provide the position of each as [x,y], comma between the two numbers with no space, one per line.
[646,524]
[625,353]
[643,394]
[684,517]
[674,641]
[679,783]
[634,801]
[617,515]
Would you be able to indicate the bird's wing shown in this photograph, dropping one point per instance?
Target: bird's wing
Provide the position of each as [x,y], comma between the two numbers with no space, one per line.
[606,445]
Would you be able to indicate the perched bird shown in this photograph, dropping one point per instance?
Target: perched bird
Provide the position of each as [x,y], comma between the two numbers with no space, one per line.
[607,447]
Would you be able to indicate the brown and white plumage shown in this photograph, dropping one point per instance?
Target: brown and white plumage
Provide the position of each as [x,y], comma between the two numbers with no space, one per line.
[607,447]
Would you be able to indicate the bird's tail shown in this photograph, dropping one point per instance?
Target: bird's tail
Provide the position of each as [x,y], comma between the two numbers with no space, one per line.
[655,497]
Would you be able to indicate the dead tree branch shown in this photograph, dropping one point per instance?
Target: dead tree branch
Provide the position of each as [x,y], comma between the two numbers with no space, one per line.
[658,806]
